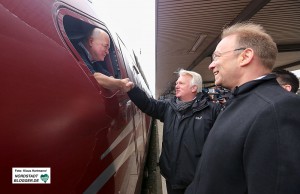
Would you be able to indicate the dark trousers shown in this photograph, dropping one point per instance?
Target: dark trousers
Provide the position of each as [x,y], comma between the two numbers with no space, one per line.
[173,191]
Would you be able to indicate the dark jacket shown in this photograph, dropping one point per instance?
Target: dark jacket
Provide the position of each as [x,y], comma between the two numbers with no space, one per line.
[184,134]
[254,145]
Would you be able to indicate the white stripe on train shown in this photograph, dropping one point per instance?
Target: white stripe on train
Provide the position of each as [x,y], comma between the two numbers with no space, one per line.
[117,163]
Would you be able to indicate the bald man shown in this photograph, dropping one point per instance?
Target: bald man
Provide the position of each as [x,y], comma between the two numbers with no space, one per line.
[93,49]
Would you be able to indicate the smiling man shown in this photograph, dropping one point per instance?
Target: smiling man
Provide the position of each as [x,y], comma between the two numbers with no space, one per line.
[93,49]
[187,120]
[253,146]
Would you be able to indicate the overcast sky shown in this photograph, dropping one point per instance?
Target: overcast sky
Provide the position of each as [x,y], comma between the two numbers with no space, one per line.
[134,21]
[297,73]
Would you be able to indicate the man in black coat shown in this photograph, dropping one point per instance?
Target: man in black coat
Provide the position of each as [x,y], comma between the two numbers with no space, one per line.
[187,119]
[254,144]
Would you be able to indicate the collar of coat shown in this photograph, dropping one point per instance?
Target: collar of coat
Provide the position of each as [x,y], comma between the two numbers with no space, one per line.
[246,87]
[199,103]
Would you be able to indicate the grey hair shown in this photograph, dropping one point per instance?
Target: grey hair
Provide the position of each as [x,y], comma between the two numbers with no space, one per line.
[93,33]
[99,33]
[196,78]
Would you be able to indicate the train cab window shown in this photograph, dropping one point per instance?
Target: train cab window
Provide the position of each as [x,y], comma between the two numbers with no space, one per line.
[77,32]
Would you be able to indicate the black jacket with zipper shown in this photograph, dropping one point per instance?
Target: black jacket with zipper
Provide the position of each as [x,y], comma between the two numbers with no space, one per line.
[184,133]
[254,146]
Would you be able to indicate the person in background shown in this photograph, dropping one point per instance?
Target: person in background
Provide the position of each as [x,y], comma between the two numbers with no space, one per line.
[93,49]
[187,118]
[254,144]
[219,96]
[287,80]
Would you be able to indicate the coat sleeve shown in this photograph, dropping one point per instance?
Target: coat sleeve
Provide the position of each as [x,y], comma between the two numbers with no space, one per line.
[150,106]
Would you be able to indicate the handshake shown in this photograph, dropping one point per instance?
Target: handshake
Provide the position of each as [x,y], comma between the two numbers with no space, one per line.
[126,85]
[112,83]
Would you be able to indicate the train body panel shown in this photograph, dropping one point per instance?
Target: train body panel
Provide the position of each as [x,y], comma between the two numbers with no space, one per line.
[53,112]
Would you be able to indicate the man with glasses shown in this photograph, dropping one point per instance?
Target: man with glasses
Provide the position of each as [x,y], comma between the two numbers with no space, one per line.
[254,144]
[93,49]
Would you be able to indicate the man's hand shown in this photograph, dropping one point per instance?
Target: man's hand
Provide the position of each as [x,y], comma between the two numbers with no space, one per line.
[112,83]
[127,85]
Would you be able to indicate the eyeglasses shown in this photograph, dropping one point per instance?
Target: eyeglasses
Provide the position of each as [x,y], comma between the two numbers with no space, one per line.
[105,46]
[217,55]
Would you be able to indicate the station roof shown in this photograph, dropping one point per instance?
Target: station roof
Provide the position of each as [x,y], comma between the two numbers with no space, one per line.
[179,24]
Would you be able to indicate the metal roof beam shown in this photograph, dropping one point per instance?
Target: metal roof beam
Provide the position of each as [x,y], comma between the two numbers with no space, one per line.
[250,10]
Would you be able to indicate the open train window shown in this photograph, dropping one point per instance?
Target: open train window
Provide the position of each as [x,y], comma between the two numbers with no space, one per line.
[77,30]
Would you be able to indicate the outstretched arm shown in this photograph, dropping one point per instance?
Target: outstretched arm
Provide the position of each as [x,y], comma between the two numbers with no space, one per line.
[112,83]
[148,105]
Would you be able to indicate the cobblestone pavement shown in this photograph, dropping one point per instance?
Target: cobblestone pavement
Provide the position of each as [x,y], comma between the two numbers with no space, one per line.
[152,178]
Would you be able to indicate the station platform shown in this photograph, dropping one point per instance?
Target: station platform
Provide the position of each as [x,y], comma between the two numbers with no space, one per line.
[159,126]
[153,182]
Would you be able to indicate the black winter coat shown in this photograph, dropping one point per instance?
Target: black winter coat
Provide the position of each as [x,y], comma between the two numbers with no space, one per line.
[254,145]
[183,134]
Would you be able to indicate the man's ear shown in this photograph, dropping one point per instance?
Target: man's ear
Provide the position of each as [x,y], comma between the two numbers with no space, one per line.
[90,41]
[287,87]
[194,88]
[246,56]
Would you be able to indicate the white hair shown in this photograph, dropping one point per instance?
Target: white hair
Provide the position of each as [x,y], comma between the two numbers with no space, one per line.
[196,78]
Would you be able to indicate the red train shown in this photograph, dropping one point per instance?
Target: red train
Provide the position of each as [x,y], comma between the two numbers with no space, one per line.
[54,114]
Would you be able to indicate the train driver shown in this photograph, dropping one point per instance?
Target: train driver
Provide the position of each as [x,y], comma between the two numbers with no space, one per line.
[93,49]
